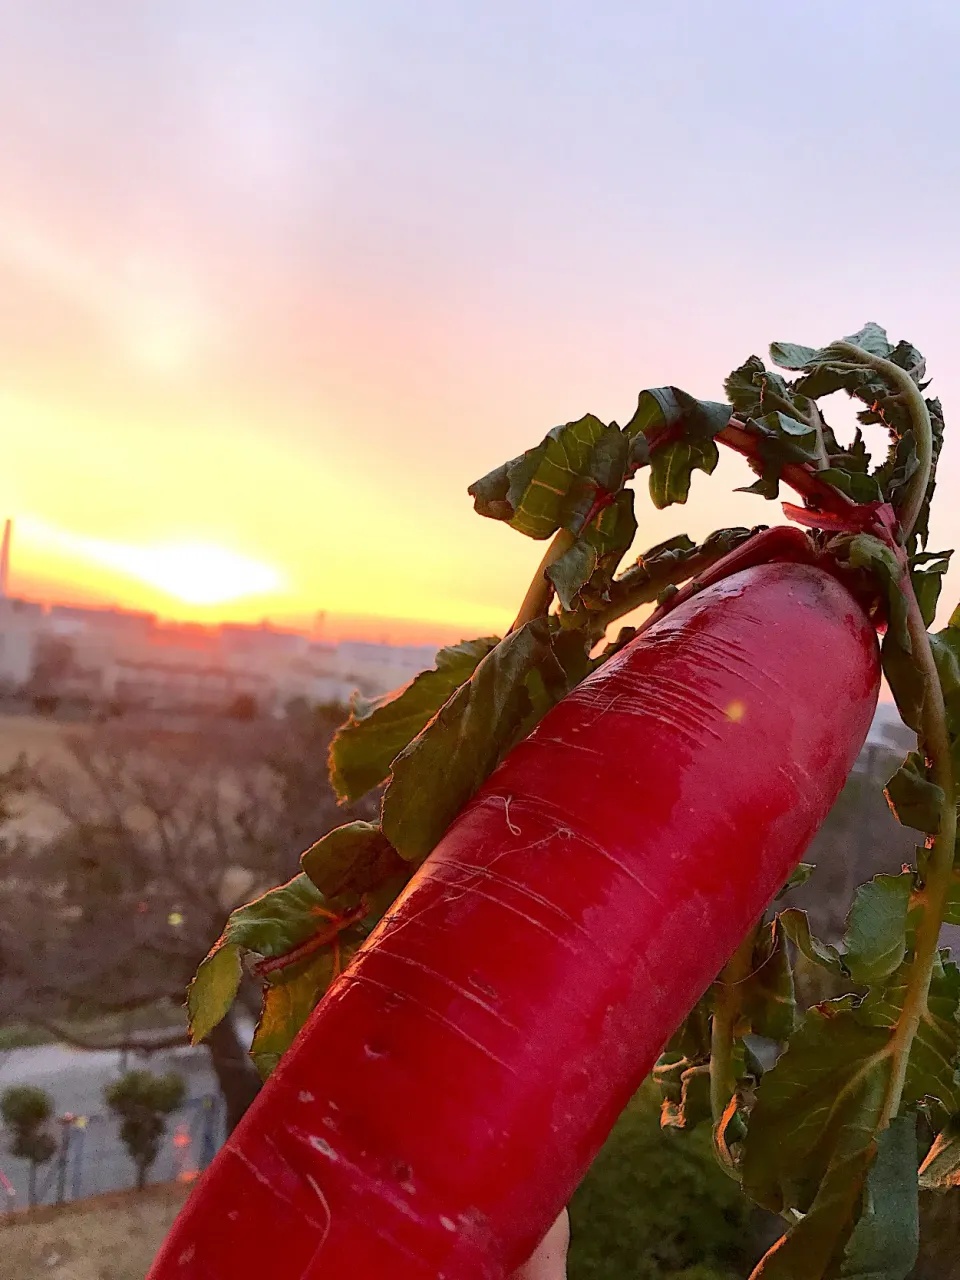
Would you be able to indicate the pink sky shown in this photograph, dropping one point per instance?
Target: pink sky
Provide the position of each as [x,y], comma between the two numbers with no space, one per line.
[277,282]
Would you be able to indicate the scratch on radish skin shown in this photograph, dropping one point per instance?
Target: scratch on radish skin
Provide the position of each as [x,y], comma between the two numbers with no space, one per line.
[448,982]
[485,873]
[435,1016]
[511,826]
[318,1192]
[269,1183]
[568,745]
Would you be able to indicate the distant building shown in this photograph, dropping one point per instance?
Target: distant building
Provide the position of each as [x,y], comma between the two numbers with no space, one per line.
[379,668]
[158,685]
[261,643]
[20,627]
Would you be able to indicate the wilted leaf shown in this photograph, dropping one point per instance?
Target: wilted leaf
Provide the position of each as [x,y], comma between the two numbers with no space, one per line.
[754,390]
[364,748]
[531,491]
[914,799]
[351,861]
[435,776]
[593,559]
[940,1170]
[796,927]
[904,676]
[768,999]
[685,1087]
[213,990]
[272,925]
[926,574]
[855,484]
[672,467]
[287,1004]
[875,941]
[790,355]
[799,876]
[681,431]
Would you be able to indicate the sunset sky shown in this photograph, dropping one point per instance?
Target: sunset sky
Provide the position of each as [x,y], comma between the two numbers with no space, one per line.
[278,281]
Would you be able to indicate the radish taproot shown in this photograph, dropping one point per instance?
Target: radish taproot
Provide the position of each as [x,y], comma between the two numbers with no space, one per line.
[449,1092]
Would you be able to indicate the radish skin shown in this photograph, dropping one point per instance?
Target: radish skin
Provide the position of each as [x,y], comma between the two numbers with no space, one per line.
[449,1093]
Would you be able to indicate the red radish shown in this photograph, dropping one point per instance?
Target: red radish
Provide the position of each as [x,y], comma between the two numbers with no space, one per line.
[449,1093]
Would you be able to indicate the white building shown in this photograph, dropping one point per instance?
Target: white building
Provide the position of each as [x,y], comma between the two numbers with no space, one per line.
[380,668]
[20,628]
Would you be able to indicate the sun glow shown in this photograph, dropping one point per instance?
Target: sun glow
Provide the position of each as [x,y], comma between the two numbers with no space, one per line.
[194,573]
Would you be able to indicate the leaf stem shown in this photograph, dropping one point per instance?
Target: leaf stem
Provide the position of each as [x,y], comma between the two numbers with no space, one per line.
[273,964]
[726,1011]
[540,591]
[919,416]
[802,478]
[647,590]
[938,872]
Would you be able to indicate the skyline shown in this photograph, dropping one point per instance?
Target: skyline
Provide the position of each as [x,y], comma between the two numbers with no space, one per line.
[279,283]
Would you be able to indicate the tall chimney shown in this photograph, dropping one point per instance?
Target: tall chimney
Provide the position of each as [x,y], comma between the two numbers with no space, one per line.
[5,559]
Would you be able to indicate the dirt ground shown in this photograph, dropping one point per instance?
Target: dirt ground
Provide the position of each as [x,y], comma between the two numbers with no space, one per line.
[105,1238]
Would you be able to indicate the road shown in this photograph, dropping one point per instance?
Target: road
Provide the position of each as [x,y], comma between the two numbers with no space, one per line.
[96,1160]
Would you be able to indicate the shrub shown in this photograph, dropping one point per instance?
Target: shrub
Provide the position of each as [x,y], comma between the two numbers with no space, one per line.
[143,1101]
[26,1112]
[656,1206]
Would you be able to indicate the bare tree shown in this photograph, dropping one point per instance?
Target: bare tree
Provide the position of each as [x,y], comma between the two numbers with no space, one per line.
[161,835]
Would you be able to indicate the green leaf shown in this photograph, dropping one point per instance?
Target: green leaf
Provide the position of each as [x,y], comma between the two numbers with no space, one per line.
[594,558]
[931,1071]
[875,941]
[213,990]
[768,999]
[940,1170]
[531,491]
[681,429]
[351,861]
[868,1195]
[287,1004]
[672,562]
[914,799]
[819,1105]
[872,338]
[754,391]
[789,355]
[797,440]
[927,582]
[796,927]
[573,571]
[435,776]
[798,876]
[886,1238]
[280,920]
[855,484]
[903,674]
[273,925]
[364,748]
[672,467]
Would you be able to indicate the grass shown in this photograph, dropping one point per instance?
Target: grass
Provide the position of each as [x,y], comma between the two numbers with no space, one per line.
[656,1206]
